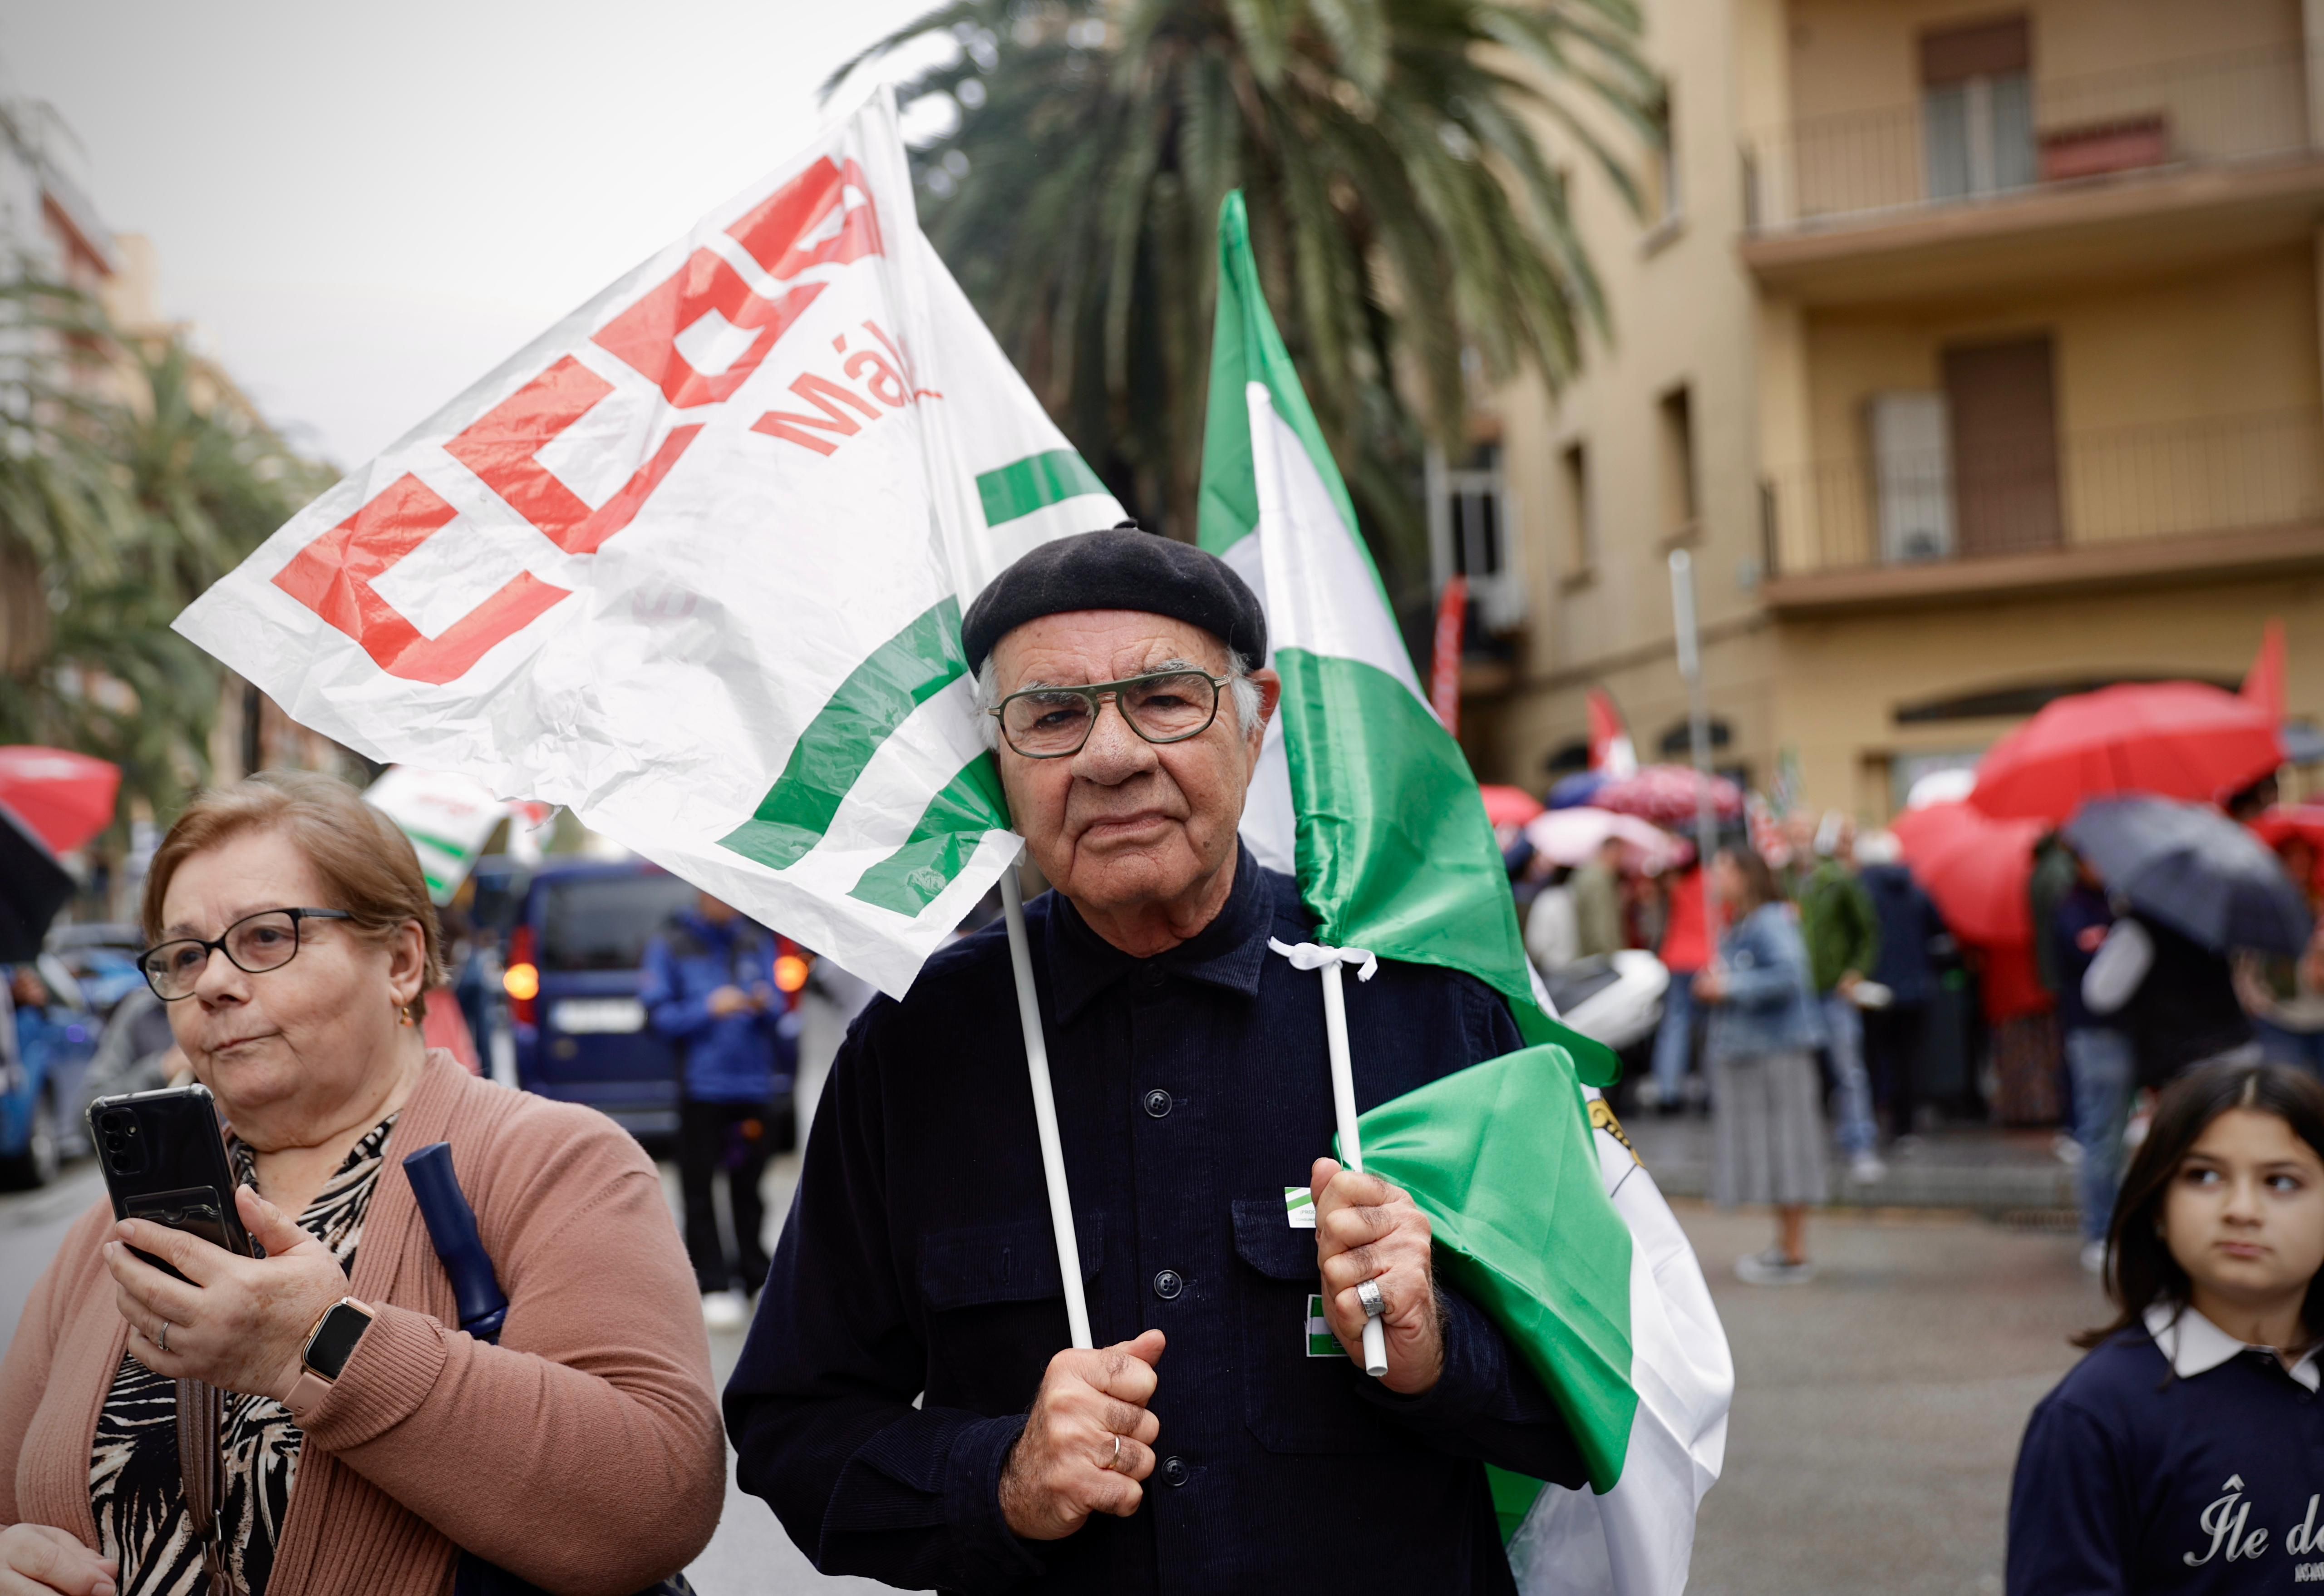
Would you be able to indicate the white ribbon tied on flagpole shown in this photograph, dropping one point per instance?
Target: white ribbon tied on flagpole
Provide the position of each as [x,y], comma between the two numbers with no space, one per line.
[1331,961]
[1311,956]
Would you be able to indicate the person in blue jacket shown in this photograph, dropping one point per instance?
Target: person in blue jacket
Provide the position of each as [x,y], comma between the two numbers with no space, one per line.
[710,989]
[2186,1453]
[1765,1022]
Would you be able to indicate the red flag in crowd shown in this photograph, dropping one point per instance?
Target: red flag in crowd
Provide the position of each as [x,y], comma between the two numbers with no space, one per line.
[1444,669]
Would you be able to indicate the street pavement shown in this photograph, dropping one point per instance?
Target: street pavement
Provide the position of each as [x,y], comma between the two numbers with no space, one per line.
[1877,1415]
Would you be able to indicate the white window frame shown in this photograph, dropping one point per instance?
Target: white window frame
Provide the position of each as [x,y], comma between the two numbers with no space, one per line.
[1499,593]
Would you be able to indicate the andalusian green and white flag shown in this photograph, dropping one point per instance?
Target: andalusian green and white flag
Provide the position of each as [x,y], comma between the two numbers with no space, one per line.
[448,817]
[693,564]
[1542,1215]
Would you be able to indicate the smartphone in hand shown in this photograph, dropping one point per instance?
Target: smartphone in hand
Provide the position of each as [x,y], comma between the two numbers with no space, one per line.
[163,1154]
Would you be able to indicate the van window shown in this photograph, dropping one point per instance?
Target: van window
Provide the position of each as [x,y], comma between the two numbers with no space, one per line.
[603,922]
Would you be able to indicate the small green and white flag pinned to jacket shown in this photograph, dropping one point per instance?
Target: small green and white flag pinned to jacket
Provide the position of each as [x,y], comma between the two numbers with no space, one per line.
[1541,1213]
[693,564]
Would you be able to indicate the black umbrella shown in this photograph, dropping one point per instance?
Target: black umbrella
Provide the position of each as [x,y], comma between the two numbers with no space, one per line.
[32,887]
[2194,869]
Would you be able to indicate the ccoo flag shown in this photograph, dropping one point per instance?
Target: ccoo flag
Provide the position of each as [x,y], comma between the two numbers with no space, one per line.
[1542,1215]
[692,564]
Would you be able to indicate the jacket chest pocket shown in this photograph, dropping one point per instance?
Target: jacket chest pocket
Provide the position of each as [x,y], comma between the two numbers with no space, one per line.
[1292,1402]
[996,1309]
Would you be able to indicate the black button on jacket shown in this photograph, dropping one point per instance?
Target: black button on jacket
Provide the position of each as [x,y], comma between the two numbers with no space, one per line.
[918,1262]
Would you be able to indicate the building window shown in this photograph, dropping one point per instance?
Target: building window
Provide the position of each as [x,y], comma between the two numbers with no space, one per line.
[1977,109]
[1682,502]
[1468,524]
[1911,475]
[1580,513]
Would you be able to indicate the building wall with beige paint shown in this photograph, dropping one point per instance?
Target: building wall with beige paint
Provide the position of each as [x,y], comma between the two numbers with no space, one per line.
[1679,318]
[2187,390]
[2183,404]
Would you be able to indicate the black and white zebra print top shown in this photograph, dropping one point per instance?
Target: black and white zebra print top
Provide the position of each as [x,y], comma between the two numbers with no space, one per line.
[133,1483]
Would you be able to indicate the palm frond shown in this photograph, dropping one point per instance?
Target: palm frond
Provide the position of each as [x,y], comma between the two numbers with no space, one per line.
[1412,228]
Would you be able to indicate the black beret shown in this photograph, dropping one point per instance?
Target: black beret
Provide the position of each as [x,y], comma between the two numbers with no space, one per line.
[1120,568]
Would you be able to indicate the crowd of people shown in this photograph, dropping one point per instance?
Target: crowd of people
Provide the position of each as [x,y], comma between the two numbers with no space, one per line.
[1826,969]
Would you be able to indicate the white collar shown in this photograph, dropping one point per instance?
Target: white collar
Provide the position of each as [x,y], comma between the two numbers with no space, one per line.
[2194,1345]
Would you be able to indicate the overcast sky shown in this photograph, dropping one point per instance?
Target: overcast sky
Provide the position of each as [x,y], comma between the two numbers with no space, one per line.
[364,208]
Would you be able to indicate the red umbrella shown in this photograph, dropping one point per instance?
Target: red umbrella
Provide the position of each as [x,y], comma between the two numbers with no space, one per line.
[66,798]
[1665,795]
[2179,740]
[1509,805]
[1976,870]
[1920,832]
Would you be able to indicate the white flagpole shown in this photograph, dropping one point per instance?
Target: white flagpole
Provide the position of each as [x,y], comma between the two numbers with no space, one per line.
[1044,1108]
[1343,1107]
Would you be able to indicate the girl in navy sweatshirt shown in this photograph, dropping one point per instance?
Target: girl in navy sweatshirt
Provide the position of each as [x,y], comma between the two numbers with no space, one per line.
[2186,1453]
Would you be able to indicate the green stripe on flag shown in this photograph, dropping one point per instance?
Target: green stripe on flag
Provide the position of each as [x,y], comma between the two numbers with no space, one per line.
[940,846]
[1501,1158]
[1023,486]
[441,844]
[878,695]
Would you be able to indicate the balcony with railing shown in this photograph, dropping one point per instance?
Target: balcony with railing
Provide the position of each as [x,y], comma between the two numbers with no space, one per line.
[2124,506]
[1990,138]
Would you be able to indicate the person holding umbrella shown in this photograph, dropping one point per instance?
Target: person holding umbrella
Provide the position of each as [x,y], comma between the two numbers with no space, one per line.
[2195,886]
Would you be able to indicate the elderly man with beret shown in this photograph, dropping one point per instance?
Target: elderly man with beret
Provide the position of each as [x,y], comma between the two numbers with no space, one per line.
[903,1403]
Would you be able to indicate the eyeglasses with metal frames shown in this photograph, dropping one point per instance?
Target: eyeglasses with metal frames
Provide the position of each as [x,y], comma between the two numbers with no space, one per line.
[1161,706]
[253,945]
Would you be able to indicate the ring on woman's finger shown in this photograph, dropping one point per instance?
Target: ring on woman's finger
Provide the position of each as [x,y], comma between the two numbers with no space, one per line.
[163,1340]
[1368,1294]
[1115,1460]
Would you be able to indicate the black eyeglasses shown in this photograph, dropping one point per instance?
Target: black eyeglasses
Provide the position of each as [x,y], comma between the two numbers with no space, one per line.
[254,943]
[1166,706]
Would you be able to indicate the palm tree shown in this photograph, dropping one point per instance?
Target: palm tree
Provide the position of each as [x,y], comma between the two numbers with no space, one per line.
[1412,233]
[115,515]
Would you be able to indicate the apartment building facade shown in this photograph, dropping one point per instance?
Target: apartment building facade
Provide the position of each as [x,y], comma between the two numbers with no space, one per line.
[1974,353]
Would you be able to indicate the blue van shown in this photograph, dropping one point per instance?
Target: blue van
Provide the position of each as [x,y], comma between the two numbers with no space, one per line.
[575,966]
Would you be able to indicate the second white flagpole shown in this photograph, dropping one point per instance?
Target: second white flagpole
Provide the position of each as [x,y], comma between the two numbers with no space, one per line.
[1044,1108]
[1344,1108]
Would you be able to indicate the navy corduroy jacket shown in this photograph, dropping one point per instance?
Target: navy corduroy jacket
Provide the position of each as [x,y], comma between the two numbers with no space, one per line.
[1192,1088]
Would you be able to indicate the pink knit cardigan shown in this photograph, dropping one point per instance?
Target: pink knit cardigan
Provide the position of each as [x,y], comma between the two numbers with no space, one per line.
[584,1452]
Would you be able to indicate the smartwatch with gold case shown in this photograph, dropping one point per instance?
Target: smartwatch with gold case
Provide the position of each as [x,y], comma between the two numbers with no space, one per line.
[329,1346]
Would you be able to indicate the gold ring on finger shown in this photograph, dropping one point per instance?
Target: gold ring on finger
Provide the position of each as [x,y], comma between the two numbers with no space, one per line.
[1115,1460]
[163,1340]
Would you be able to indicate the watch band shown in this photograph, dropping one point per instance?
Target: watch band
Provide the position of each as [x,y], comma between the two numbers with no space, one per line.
[309,1390]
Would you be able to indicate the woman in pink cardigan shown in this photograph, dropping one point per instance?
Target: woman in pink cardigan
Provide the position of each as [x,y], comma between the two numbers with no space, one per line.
[583,1452]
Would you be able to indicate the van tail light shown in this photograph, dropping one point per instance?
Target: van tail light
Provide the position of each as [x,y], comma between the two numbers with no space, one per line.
[521,981]
[792,963]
